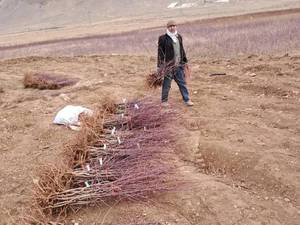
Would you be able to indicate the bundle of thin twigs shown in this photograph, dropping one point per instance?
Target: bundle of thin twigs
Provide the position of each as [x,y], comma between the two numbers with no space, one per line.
[47,81]
[140,115]
[122,152]
[155,80]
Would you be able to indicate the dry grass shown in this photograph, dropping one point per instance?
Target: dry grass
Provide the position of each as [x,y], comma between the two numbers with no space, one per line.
[110,106]
[47,81]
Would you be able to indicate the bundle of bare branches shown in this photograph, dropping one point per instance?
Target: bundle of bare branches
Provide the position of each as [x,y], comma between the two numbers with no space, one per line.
[155,80]
[140,115]
[122,152]
[47,81]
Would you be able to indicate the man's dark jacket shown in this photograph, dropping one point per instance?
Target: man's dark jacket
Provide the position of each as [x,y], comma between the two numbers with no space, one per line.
[165,56]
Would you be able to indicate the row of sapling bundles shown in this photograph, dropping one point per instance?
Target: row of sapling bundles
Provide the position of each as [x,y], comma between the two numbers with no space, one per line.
[122,152]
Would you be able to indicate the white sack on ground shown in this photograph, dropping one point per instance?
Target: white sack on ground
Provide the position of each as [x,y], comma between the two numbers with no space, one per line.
[69,115]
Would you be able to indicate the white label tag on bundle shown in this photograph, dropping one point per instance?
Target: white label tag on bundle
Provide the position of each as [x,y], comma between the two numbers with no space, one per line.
[124,100]
[87,184]
[119,140]
[88,167]
[122,115]
[136,106]
[113,131]
[101,161]
[104,146]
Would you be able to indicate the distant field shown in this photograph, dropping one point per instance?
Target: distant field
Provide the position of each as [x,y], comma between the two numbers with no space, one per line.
[265,33]
[41,20]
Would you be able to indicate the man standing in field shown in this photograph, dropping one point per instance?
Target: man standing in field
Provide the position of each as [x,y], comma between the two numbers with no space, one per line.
[171,61]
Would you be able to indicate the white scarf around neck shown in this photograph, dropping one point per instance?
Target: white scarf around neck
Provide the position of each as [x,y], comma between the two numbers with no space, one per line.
[173,36]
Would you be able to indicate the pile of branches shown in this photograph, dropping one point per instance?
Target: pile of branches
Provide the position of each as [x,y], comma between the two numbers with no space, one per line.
[47,81]
[122,152]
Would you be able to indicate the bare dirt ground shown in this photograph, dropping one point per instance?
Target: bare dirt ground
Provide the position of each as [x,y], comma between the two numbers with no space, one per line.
[240,143]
